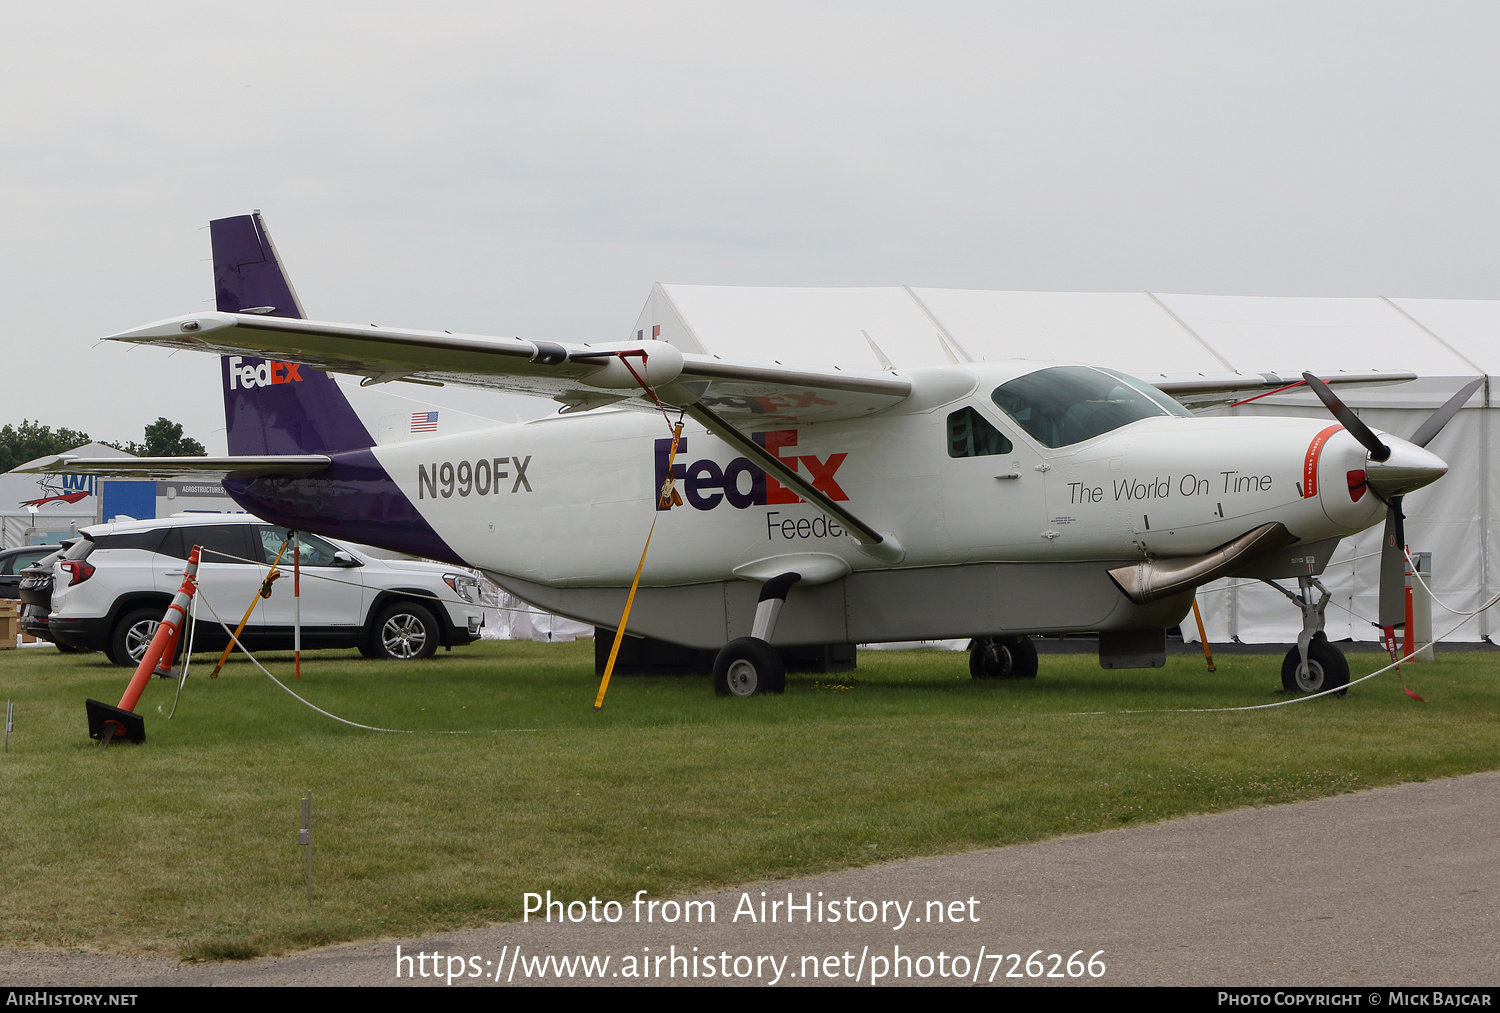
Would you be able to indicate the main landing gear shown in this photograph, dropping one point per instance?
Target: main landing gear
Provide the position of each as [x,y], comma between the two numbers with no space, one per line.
[1314,665]
[750,665]
[1002,658]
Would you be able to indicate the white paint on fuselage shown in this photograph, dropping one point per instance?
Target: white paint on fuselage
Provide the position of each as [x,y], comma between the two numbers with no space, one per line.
[1183,486]
[1165,486]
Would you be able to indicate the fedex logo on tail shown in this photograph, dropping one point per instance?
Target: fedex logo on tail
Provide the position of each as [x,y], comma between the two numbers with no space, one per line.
[705,484]
[261,372]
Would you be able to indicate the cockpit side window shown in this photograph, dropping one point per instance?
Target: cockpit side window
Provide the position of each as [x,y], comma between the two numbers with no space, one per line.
[971,435]
[1171,406]
[1063,405]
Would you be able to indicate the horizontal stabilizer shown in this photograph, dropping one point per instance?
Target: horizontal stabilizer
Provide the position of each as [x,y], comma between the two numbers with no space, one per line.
[172,467]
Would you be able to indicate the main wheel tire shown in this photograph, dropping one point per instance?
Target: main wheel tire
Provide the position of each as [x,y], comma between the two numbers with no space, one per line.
[1003,658]
[748,666]
[1327,668]
[132,636]
[405,631]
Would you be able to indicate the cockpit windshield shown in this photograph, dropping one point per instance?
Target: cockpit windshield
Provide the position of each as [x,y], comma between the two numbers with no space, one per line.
[1063,405]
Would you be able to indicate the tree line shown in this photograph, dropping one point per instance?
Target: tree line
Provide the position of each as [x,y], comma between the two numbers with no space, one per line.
[30,440]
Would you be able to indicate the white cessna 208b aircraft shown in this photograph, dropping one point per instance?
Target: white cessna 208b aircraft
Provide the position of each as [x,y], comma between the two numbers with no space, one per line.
[808,505]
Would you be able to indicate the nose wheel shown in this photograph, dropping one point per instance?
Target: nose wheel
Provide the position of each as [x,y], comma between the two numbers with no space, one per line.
[1314,665]
[1325,668]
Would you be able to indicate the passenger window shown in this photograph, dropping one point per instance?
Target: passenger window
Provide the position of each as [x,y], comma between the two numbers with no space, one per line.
[150,540]
[971,435]
[314,551]
[222,543]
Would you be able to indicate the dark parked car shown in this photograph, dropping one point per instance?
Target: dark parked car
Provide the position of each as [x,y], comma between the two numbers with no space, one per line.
[35,592]
[13,561]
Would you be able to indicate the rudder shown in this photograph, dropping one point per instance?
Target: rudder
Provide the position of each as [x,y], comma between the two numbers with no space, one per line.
[273,407]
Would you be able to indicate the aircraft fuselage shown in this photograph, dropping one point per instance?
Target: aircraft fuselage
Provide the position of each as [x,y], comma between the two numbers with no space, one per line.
[566,503]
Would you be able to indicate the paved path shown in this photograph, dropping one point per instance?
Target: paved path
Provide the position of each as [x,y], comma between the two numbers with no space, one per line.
[1397,886]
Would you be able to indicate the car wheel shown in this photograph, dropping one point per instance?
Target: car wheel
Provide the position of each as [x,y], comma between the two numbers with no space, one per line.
[132,636]
[748,666]
[403,632]
[1327,668]
[1003,658]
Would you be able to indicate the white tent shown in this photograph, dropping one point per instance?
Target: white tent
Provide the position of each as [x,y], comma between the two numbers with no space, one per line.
[38,509]
[507,617]
[1445,342]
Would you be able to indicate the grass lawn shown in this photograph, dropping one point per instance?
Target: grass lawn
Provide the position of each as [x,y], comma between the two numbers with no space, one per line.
[187,845]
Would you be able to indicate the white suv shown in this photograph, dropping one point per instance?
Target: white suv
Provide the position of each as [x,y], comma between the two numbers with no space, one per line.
[110,589]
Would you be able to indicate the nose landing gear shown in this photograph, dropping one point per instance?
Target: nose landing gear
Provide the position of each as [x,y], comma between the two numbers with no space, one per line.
[1314,665]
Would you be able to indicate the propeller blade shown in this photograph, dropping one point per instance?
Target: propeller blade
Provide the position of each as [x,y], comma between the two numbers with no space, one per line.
[1393,566]
[1350,421]
[1440,418]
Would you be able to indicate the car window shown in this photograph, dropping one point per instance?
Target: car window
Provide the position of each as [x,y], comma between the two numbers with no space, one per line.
[222,543]
[314,550]
[148,539]
[21,560]
[46,561]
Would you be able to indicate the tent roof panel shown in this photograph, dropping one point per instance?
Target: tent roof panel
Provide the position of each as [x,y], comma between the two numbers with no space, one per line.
[810,325]
[1288,335]
[1471,327]
[1128,331]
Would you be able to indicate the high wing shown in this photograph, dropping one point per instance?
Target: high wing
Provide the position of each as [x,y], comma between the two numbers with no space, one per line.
[1201,390]
[590,375]
[581,376]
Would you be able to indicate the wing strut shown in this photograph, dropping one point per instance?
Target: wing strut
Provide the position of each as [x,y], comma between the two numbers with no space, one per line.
[872,541]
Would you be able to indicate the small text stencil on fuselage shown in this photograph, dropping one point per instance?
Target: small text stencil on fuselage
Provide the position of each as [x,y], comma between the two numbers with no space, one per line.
[1168,487]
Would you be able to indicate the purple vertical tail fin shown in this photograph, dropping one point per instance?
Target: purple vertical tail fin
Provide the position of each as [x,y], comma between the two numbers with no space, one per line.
[273,407]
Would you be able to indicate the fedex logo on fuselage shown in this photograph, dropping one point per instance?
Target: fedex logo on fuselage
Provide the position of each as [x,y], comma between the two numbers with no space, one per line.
[261,372]
[741,483]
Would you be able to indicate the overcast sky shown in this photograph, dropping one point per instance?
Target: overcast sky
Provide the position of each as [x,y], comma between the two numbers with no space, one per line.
[532,168]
